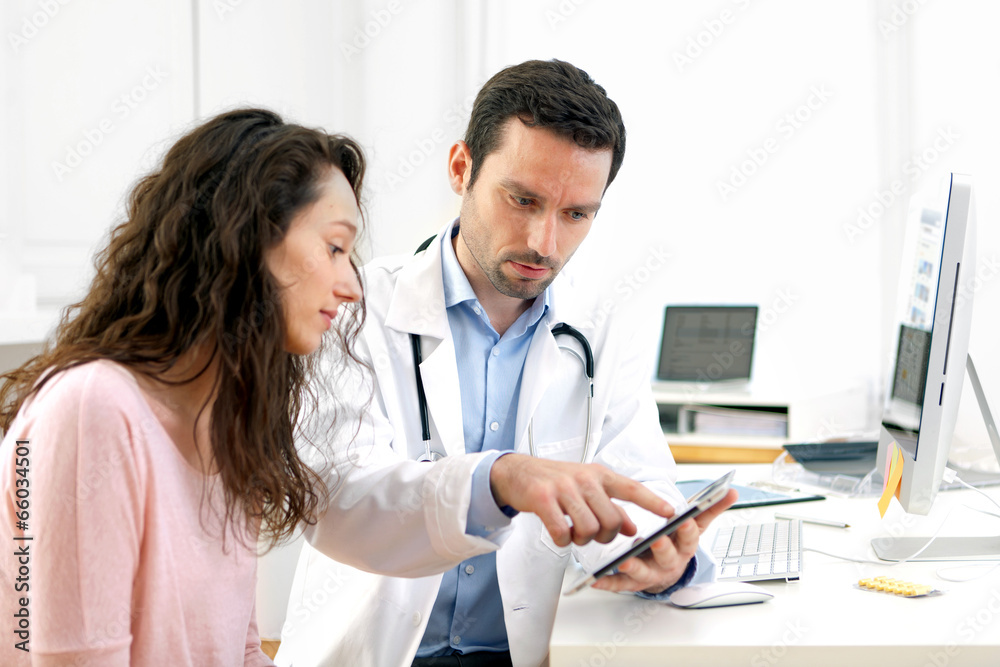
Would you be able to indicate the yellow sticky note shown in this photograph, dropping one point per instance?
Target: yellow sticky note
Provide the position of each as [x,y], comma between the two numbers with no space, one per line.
[890,457]
[894,463]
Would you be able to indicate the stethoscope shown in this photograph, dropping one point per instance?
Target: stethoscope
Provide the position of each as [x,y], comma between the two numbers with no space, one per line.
[558,330]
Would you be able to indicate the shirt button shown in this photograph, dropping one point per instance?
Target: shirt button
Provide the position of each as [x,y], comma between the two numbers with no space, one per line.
[477,310]
[496,351]
[469,569]
[456,640]
[494,426]
[416,619]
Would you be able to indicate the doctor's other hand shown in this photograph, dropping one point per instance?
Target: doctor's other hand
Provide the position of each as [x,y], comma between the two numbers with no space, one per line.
[582,491]
[664,563]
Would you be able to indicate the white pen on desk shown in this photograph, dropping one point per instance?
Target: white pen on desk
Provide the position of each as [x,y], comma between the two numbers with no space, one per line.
[765,484]
[809,519]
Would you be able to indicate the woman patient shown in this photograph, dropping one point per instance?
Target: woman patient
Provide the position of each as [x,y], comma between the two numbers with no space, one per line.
[151,444]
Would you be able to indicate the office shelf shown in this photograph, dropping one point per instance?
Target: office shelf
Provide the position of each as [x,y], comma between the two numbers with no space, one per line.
[812,416]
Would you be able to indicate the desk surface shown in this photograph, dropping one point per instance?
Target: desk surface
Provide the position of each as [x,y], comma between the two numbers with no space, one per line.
[823,619]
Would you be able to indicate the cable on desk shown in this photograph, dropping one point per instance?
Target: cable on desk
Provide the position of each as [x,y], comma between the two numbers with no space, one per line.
[986,512]
[949,476]
[847,558]
[952,476]
[960,580]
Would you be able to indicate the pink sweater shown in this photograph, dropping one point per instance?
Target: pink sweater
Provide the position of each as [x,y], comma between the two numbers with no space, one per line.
[126,562]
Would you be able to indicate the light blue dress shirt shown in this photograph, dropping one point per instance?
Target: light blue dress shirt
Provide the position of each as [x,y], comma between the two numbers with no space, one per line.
[468,612]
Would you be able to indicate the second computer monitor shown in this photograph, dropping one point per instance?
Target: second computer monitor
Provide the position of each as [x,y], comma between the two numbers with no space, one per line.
[932,329]
[707,344]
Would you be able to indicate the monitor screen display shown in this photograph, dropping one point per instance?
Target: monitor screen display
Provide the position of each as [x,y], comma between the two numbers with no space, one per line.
[707,343]
[912,355]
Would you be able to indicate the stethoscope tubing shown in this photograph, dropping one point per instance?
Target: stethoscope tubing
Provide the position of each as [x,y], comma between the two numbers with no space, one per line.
[425,426]
[558,330]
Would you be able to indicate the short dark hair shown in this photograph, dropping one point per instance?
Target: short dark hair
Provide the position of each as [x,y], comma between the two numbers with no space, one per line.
[552,94]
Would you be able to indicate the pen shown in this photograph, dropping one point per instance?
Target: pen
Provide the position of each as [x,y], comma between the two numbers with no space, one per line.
[764,484]
[807,519]
[580,585]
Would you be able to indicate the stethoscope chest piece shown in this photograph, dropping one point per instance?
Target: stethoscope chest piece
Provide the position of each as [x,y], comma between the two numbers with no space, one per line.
[429,456]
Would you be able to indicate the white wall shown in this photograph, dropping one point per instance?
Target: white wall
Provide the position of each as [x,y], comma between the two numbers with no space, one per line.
[956,70]
[93,91]
[704,88]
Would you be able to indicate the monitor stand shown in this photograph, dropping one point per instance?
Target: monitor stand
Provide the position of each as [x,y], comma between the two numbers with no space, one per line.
[949,548]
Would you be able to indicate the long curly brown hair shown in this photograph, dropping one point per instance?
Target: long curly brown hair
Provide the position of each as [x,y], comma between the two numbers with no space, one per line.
[187,268]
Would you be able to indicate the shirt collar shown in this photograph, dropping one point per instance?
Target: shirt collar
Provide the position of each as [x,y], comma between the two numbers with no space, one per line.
[457,288]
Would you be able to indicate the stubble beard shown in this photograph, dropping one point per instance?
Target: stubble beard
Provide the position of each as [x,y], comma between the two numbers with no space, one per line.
[516,288]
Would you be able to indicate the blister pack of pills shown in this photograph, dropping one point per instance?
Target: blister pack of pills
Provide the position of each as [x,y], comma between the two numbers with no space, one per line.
[906,589]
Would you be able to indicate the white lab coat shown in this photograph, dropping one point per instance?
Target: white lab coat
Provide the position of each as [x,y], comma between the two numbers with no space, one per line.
[341,616]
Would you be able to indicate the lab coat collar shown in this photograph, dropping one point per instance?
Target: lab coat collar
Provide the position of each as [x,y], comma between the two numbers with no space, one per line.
[417,303]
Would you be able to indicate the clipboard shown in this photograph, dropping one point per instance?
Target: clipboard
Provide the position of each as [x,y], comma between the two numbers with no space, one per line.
[751,496]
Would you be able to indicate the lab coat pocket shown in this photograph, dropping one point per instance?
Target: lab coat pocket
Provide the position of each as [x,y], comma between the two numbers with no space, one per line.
[563,450]
[546,539]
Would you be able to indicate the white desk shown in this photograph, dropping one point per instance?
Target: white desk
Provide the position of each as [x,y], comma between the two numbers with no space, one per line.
[823,619]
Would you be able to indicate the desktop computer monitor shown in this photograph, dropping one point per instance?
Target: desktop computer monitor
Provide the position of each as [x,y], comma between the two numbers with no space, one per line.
[931,355]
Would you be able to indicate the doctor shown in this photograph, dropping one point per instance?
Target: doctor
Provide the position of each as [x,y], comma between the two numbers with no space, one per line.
[481,301]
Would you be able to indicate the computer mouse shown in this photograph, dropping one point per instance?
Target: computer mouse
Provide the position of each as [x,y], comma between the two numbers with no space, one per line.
[718,594]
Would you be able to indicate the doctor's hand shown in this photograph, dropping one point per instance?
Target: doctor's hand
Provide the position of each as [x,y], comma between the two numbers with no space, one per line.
[664,563]
[582,491]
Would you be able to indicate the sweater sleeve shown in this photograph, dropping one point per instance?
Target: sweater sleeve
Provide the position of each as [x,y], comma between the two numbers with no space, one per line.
[87,493]
[254,655]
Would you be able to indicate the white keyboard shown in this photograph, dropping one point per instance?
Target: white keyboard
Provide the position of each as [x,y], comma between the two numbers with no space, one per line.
[757,551]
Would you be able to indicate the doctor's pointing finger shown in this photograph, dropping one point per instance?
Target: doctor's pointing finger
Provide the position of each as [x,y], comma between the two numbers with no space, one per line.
[556,489]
